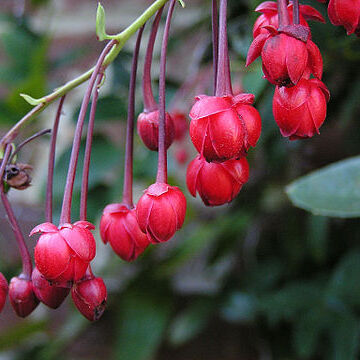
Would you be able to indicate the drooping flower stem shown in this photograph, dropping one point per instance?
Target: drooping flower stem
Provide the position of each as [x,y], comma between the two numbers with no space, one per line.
[87,153]
[162,159]
[296,11]
[129,150]
[149,101]
[51,164]
[215,40]
[283,13]
[66,206]
[26,141]
[223,84]
[24,252]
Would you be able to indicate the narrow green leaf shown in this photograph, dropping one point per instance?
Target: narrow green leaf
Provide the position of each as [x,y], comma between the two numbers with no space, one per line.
[331,191]
[141,327]
[100,23]
[190,322]
[30,99]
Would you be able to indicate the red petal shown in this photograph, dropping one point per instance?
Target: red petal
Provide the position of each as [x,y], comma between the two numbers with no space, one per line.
[85,225]
[255,48]
[267,6]
[44,228]
[315,59]
[309,13]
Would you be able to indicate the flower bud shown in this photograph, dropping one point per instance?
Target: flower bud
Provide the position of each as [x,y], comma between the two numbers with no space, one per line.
[216,183]
[119,227]
[89,296]
[17,177]
[49,294]
[22,296]
[300,110]
[4,288]
[215,129]
[180,124]
[63,254]
[345,13]
[161,211]
[148,129]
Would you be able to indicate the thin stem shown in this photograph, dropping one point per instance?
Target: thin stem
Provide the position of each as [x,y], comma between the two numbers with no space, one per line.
[162,159]
[51,164]
[296,16]
[42,103]
[283,13]
[128,178]
[87,155]
[149,101]
[223,85]
[215,40]
[24,252]
[66,205]
[26,141]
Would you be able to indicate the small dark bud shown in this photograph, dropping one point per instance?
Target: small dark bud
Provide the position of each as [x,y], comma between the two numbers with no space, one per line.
[17,177]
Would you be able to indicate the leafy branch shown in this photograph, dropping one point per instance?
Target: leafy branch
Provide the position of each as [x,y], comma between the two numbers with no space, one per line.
[120,40]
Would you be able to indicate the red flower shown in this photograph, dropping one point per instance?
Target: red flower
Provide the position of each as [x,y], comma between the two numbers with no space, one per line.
[180,124]
[49,294]
[4,288]
[300,110]
[286,55]
[345,13]
[120,228]
[269,16]
[148,129]
[89,296]
[22,296]
[161,211]
[63,254]
[216,183]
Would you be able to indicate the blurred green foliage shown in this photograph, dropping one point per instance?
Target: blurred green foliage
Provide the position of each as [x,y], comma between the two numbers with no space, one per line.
[253,280]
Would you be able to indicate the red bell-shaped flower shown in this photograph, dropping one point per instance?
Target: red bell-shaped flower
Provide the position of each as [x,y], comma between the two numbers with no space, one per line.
[345,13]
[119,227]
[22,296]
[269,16]
[180,124]
[216,183]
[161,211]
[4,288]
[89,296]
[300,110]
[63,254]
[148,129]
[250,118]
[49,294]
[286,55]
[216,130]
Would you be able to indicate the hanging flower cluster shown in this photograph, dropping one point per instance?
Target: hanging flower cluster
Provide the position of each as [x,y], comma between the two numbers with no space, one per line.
[223,128]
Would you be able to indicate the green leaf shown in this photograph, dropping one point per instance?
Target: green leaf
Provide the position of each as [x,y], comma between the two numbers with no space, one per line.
[239,307]
[331,191]
[100,24]
[190,322]
[344,285]
[30,100]
[18,333]
[317,236]
[308,329]
[141,327]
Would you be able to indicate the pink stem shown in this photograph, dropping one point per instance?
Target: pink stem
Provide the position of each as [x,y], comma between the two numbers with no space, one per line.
[296,17]
[283,13]
[24,252]
[223,85]
[149,101]
[162,159]
[51,165]
[215,40]
[65,216]
[129,150]
[87,154]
